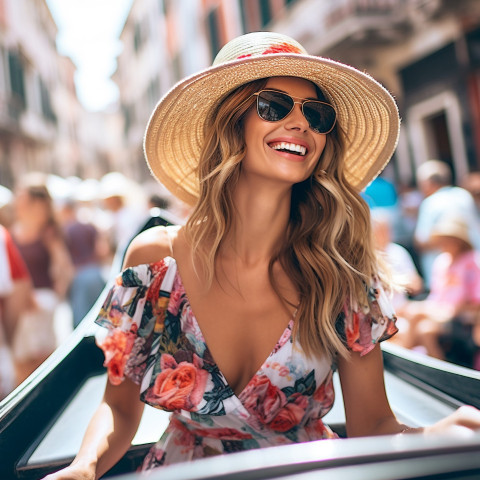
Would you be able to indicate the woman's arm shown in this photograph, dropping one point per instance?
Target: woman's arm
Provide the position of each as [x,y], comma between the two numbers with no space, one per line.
[113,426]
[109,433]
[367,409]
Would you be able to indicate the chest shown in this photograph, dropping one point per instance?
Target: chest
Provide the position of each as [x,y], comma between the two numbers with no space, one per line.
[241,320]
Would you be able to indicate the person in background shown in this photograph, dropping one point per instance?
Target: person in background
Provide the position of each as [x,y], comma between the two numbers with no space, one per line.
[441,198]
[471,183]
[381,193]
[398,258]
[123,201]
[87,249]
[6,207]
[404,272]
[16,297]
[454,292]
[236,322]
[157,201]
[39,238]
[409,200]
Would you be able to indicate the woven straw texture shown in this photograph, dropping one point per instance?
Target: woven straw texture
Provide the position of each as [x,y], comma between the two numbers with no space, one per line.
[365,110]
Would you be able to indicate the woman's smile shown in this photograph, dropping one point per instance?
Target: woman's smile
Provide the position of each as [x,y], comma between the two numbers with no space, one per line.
[288,149]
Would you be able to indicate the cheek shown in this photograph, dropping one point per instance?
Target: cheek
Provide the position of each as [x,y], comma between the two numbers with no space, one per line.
[254,133]
[320,144]
[251,125]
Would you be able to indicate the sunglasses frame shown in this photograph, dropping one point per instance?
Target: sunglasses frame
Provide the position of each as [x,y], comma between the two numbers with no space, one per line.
[302,103]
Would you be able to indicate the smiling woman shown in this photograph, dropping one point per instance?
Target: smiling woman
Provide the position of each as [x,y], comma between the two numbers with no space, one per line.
[237,322]
[291,146]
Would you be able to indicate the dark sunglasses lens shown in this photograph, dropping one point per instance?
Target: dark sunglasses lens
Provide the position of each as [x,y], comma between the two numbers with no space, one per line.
[273,106]
[320,116]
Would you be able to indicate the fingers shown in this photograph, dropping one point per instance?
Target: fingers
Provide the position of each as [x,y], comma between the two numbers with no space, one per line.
[468,416]
[464,422]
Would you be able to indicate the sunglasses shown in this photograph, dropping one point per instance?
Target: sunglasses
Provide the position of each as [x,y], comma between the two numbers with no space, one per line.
[273,106]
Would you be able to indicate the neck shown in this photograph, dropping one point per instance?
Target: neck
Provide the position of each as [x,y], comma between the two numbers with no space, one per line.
[261,221]
[456,253]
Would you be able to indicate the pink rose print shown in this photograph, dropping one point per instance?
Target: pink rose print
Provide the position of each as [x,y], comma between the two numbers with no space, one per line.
[158,272]
[262,398]
[180,385]
[325,394]
[290,415]
[353,330]
[116,348]
[175,297]
[115,314]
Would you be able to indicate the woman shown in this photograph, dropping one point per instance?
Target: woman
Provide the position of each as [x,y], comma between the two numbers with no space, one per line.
[454,298]
[274,262]
[39,239]
[15,298]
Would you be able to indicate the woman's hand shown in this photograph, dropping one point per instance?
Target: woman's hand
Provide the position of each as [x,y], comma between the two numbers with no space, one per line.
[72,472]
[463,422]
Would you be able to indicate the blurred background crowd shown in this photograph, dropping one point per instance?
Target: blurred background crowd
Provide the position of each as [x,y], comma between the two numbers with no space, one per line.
[58,239]
[59,229]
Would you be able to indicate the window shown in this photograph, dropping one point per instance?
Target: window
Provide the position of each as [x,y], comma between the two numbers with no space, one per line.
[46,104]
[163,7]
[243,15]
[153,91]
[212,22]
[137,37]
[265,13]
[435,131]
[127,119]
[17,81]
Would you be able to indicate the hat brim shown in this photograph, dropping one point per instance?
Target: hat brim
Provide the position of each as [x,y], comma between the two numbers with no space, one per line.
[457,234]
[365,110]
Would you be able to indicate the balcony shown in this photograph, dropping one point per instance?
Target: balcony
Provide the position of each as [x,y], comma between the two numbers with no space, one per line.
[36,128]
[322,26]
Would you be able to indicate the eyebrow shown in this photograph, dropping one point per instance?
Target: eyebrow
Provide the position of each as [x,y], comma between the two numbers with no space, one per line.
[279,90]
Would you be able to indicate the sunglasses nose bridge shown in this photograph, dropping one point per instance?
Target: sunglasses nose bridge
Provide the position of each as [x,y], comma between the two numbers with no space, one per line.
[298,103]
[299,114]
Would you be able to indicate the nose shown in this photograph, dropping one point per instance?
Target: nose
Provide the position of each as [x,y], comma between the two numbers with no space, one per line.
[296,120]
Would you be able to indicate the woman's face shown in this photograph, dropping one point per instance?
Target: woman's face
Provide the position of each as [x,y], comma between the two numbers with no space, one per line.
[28,206]
[265,154]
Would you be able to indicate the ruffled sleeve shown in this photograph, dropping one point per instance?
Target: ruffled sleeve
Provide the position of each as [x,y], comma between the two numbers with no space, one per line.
[362,327]
[133,314]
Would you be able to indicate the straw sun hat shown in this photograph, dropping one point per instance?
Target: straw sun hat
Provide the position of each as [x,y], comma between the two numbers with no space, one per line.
[452,227]
[365,110]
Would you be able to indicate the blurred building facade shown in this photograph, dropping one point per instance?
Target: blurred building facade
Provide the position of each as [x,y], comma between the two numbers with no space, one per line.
[42,124]
[426,52]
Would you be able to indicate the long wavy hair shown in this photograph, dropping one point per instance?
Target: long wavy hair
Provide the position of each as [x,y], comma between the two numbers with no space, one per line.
[327,251]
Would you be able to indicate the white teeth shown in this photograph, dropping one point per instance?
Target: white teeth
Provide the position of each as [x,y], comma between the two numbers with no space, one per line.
[290,146]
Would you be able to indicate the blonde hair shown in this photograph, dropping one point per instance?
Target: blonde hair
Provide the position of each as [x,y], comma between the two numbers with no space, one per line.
[327,251]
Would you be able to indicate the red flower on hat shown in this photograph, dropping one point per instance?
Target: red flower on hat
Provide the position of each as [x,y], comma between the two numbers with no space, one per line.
[282,48]
[278,48]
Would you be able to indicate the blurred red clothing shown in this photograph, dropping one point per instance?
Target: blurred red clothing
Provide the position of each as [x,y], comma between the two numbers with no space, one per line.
[18,269]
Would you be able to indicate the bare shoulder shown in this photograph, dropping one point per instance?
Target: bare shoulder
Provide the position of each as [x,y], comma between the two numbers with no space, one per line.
[150,246]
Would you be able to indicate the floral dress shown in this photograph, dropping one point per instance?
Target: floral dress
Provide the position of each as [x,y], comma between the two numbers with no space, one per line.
[154,339]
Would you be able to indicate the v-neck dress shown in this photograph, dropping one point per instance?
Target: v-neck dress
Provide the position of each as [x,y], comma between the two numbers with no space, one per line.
[154,339]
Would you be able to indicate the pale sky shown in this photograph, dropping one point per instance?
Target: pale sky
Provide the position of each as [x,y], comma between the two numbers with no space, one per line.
[88,32]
